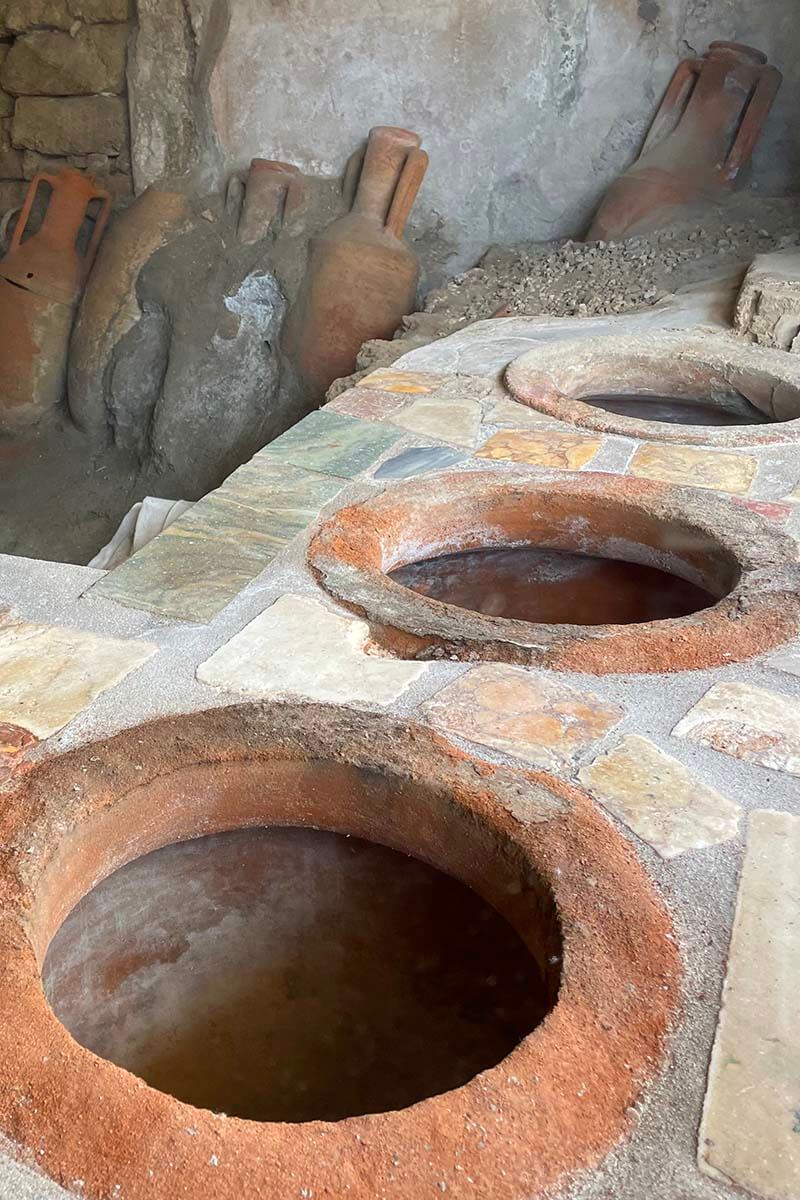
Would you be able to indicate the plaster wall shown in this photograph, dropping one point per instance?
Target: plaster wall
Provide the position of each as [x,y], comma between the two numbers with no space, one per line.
[528,108]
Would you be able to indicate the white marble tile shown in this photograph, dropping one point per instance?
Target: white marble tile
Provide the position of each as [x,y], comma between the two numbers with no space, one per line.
[750,1133]
[298,647]
[660,799]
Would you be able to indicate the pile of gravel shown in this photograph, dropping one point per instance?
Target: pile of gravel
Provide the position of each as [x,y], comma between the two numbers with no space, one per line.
[566,279]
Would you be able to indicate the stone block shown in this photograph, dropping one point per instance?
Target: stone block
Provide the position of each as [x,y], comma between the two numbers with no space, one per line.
[73,125]
[33,163]
[92,11]
[49,674]
[120,187]
[768,309]
[6,101]
[10,158]
[660,799]
[530,716]
[21,15]
[51,63]
[328,662]
[12,193]
[564,451]
[749,723]
[695,468]
[749,1136]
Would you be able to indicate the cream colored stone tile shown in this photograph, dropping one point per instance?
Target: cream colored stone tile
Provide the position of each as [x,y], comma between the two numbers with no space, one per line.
[456,421]
[695,468]
[750,1132]
[748,723]
[515,415]
[298,647]
[48,674]
[565,451]
[529,715]
[660,799]
[406,383]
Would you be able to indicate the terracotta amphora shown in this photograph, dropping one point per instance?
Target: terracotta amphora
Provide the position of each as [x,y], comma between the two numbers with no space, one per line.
[362,278]
[275,190]
[702,137]
[41,280]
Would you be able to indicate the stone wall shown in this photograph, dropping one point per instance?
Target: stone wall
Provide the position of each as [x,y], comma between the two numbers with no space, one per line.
[63,93]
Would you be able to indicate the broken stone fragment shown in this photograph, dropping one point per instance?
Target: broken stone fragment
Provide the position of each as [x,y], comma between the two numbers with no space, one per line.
[768,310]
[71,125]
[52,63]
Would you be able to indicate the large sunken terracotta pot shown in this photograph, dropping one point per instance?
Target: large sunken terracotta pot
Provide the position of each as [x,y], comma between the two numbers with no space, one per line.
[362,278]
[41,281]
[701,139]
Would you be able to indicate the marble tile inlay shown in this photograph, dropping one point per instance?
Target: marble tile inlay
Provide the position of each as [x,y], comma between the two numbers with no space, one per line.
[750,1132]
[48,674]
[660,799]
[368,404]
[457,421]
[748,723]
[533,717]
[695,468]
[298,647]
[197,566]
[405,383]
[333,444]
[565,451]
[418,461]
[505,411]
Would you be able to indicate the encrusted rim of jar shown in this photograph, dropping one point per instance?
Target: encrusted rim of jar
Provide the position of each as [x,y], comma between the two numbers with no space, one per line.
[714,368]
[733,553]
[556,1104]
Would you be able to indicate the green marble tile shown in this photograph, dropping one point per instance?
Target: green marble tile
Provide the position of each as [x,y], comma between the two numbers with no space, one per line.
[333,443]
[197,566]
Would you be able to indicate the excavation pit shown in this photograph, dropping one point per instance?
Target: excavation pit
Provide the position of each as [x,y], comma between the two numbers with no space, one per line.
[590,573]
[218,809]
[294,975]
[711,389]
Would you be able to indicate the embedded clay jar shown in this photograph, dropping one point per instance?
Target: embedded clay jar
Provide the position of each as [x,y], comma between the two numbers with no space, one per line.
[531,941]
[590,573]
[709,390]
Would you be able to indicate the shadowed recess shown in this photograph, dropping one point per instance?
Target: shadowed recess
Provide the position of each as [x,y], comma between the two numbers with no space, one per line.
[553,586]
[293,975]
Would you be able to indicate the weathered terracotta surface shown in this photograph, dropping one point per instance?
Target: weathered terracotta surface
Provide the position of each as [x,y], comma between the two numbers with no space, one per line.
[361,278]
[557,1103]
[42,279]
[274,191]
[736,378]
[701,139]
[110,307]
[746,564]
